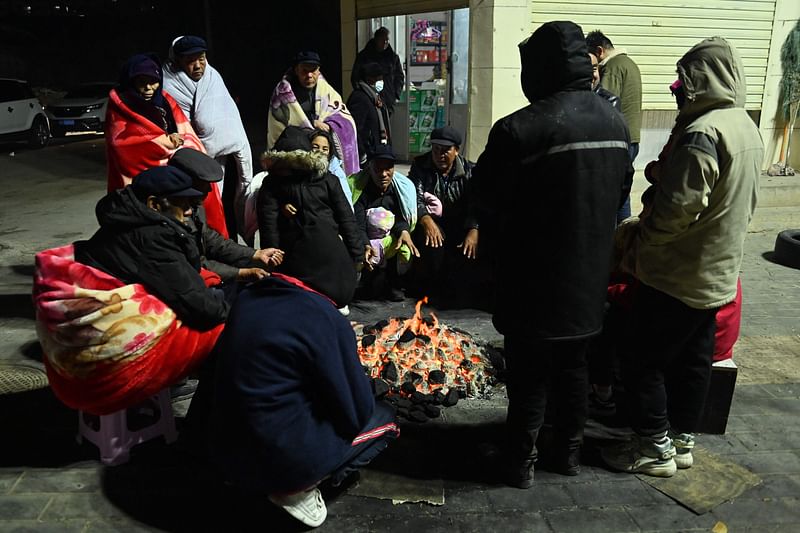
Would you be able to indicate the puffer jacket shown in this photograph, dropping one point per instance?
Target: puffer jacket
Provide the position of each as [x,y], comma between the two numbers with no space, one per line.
[315,253]
[137,244]
[551,179]
[691,246]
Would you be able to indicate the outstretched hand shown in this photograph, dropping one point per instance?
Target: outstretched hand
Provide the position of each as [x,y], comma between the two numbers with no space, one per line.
[405,238]
[470,244]
[269,256]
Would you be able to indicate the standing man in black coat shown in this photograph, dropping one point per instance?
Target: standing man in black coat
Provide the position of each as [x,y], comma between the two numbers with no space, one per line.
[370,112]
[558,167]
[379,51]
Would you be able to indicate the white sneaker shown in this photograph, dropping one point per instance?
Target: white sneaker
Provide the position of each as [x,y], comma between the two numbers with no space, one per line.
[308,506]
[684,442]
[345,310]
[643,455]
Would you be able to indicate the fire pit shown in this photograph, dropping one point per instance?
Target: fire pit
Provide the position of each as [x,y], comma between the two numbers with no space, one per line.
[419,363]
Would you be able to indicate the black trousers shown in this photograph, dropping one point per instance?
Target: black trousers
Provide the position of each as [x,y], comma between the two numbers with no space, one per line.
[666,362]
[534,367]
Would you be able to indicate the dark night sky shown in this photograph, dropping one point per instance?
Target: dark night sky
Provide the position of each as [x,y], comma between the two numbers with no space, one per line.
[251,43]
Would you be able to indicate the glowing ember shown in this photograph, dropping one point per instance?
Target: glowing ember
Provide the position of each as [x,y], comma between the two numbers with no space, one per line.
[421,355]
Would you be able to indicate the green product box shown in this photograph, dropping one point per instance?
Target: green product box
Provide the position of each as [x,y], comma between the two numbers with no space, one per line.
[429,100]
[419,142]
[415,100]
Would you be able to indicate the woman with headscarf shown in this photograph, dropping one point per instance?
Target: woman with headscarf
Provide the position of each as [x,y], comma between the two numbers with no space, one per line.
[304,98]
[145,126]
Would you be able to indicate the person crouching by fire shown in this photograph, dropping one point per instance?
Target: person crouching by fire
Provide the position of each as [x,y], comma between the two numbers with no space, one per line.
[293,405]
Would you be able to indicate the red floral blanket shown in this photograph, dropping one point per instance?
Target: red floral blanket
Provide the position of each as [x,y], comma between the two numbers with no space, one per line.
[107,345]
[134,144]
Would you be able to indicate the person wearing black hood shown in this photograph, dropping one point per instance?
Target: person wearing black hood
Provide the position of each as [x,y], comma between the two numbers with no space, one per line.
[143,239]
[378,50]
[564,165]
[370,112]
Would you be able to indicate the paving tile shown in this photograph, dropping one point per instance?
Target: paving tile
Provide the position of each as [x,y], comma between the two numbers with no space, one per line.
[611,518]
[361,506]
[775,486]
[538,497]
[66,480]
[769,462]
[23,506]
[528,522]
[121,525]
[466,500]
[425,523]
[81,505]
[8,478]
[783,390]
[668,517]
[744,512]
[37,526]
[774,441]
[353,524]
[724,444]
[623,492]
[758,422]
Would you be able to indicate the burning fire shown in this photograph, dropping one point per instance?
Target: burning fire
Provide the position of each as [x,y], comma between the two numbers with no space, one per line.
[420,354]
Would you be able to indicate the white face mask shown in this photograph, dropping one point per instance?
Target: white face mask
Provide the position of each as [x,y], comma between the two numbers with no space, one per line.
[379,85]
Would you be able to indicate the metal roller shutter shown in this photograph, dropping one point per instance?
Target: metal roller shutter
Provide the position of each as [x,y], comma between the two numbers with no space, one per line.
[657,35]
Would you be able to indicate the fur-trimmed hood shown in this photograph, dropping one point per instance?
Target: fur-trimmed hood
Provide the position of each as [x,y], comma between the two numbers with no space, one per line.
[298,163]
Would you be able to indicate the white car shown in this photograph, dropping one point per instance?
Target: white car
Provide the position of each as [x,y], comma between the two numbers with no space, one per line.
[83,109]
[22,116]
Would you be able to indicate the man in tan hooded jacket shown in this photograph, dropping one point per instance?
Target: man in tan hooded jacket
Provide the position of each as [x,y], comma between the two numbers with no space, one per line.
[688,254]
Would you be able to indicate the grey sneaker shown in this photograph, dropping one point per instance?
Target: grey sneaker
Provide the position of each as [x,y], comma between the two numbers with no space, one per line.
[683,442]
[653,456]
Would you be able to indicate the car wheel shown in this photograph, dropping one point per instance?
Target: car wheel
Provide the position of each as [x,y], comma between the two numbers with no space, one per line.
[787,248]
[39,133]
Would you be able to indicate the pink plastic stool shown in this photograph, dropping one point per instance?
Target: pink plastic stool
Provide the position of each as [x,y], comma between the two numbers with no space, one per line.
[114,437]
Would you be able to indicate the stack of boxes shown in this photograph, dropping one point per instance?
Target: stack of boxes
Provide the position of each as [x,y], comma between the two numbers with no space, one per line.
[426,112]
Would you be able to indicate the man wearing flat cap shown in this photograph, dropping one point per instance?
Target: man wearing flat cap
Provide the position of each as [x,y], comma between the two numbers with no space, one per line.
[143,238]
[447,233]
[202,95]
[303,98]
[227,258]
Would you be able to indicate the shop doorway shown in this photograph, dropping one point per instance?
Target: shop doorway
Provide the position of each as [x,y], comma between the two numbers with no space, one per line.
[434,51]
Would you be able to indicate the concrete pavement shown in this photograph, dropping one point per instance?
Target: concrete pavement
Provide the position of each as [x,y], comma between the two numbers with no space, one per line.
[49,483]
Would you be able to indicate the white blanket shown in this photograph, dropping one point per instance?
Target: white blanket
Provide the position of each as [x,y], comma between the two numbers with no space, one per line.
[214,116]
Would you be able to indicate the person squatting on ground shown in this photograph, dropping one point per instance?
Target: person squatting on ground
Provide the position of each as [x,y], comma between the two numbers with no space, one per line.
[303,211]
[200,91]
[569,176]
[447,233]
[688,252]
[378,186]
[143,238]
[231,261]
[293,405]
[303,98]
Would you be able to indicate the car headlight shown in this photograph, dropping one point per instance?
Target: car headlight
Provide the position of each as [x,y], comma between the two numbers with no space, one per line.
[92,107]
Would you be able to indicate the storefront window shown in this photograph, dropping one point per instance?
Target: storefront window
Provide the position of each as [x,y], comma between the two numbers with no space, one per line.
[459,57]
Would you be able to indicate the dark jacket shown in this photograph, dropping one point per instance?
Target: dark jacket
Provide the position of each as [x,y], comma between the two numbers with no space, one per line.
[454,190]
[551,179]
[290,391]
[393,77]
[371,118]
[218,254]
[612,98]
[139,245]
[314,251]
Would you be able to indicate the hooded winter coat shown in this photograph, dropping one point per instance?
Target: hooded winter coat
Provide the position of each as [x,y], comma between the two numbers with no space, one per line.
[315,253]
[393,77]
[137,244]
[691,245]
[553,174]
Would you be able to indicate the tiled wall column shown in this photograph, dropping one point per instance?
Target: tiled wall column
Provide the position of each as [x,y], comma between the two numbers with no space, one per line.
[496,28]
